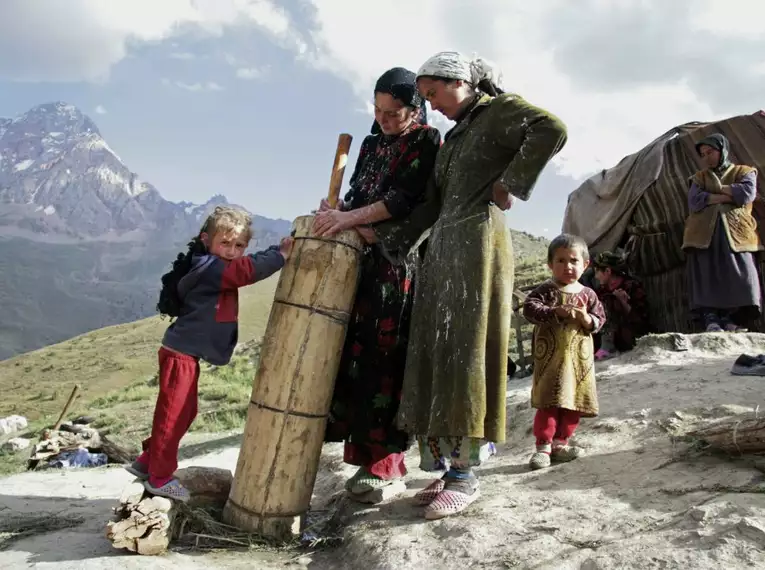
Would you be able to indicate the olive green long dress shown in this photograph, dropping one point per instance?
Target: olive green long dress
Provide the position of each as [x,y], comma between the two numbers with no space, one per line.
[456,370]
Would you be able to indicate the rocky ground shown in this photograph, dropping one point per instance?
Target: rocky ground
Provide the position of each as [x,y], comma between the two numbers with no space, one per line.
[644,496]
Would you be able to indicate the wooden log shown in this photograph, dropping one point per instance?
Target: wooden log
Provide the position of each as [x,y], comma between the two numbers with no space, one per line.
[142,524]
[68,405]
[338,168]
[292,390]
[742,434]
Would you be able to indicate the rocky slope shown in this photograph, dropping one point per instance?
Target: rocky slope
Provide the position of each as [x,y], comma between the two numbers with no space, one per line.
[644,496]
[83,240]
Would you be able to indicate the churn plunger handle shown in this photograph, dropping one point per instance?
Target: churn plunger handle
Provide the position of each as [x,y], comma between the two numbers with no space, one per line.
[338,168]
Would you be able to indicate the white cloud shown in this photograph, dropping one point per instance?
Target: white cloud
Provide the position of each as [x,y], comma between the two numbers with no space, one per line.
[619,73]
[182,55]
[251,73]
[100,110]
[654,61]
[194,87]
[47,47]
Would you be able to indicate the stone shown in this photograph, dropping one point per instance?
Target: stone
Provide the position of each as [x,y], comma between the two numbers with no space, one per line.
[16,444]
[17,423]
[209,486]
[752,529]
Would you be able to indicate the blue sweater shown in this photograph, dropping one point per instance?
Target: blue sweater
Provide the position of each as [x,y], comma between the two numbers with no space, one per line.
[207,327]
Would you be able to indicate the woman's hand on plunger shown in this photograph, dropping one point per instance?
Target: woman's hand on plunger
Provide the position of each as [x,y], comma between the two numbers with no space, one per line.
[330,222]
[324,205]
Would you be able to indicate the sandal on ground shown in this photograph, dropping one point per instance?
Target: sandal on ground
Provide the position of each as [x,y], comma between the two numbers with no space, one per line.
[539,460]
[352,480]
[566,453]
[455,498]
[138,470]
[171,490]
[427,495]
[366,483]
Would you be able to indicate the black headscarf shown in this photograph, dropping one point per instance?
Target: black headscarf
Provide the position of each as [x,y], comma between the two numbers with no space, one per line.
[611,260]
[401,84]
[720,143]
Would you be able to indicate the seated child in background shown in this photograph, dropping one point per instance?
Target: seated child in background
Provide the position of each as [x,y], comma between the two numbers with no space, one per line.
[201,292]
[625,304]
[565,314]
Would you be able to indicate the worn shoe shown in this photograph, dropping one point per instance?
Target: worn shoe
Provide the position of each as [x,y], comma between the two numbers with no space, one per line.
[539,460]
[366,482]
[352,480]
[171,490]
[458,495]
[566,453]
[138,470]
[427,495]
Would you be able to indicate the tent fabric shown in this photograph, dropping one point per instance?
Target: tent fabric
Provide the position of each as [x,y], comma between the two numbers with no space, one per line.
[641,204]
[599,210]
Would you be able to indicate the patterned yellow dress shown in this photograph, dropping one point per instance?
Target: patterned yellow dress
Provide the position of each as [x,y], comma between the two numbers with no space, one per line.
[564,363]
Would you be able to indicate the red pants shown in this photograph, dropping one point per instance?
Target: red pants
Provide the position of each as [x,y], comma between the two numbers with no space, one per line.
[376,460]
[554,425]
[175,410]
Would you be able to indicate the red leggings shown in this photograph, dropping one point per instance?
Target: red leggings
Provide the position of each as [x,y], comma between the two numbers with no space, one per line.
[175,410]
[555,425]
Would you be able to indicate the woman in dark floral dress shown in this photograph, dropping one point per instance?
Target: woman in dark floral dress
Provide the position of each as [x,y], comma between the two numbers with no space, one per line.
[389,179]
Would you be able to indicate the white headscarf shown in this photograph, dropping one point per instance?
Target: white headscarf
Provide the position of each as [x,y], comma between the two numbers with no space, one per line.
[454,65]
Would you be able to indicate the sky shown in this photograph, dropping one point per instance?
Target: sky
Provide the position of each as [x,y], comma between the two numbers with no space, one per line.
[246,98]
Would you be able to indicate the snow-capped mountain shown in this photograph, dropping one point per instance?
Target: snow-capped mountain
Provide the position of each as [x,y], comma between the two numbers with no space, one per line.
[83,240]
[59,176]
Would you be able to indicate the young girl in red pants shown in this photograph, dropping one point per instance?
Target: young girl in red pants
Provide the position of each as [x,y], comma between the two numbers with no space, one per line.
[565,314]
[201,292]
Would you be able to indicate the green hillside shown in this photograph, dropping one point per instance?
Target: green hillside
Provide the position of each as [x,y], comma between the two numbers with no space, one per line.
[116,367]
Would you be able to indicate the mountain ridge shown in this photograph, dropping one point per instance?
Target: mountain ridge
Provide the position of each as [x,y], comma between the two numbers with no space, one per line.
[83,238]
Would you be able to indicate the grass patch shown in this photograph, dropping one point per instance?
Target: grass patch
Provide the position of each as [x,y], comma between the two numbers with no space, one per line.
[224,395]
[105,361]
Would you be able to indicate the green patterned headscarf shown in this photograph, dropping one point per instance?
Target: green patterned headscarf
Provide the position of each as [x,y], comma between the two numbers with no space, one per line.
[720,143]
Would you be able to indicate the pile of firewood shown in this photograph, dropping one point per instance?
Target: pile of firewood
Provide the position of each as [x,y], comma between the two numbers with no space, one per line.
[72,437]
[739,435]
[147,525]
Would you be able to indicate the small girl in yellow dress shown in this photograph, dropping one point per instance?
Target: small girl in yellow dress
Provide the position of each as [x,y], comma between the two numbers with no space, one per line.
[565,314]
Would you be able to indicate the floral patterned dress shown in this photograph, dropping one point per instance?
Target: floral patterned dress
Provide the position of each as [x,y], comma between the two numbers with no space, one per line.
[394,170]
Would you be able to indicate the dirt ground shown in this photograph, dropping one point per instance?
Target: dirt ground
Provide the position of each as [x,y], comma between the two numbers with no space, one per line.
[640,499]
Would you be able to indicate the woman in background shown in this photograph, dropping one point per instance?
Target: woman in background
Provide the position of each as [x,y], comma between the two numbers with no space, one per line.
[721,238]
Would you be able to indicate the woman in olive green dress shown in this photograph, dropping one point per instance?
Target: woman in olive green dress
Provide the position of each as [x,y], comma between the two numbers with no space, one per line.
[453,398]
